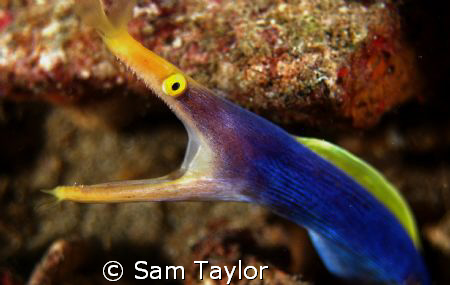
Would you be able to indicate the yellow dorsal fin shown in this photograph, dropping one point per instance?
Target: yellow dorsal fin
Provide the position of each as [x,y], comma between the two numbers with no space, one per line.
[120,12]
[369,178]
[92,13]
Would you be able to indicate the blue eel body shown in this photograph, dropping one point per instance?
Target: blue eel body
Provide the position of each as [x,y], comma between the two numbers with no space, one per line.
[357,237]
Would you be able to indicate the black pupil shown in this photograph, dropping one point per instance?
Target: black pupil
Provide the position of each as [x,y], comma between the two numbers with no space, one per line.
[175,86]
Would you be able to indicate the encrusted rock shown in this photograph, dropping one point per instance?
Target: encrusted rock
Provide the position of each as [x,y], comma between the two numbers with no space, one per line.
[315,61]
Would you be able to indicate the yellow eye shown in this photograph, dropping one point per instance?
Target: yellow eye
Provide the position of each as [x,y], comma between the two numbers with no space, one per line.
[174,85]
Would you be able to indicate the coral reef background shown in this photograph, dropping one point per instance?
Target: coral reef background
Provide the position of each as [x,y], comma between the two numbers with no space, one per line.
[368,75]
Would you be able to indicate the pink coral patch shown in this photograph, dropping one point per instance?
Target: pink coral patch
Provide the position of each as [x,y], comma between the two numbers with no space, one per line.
[5,19]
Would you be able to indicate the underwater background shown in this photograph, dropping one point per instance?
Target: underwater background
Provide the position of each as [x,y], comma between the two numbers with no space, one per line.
[370,76]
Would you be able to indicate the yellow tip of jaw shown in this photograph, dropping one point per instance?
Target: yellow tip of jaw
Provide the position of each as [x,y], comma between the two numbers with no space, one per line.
[72,193]
[57,192]
[81,193]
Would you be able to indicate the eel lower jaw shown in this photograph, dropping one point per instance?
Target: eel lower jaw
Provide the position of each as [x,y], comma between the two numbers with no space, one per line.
[160,189]
[196,180]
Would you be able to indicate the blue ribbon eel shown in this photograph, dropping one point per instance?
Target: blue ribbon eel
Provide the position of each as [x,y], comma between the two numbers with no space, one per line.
[361,227]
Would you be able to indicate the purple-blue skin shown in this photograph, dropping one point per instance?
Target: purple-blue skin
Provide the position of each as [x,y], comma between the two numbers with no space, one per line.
[235,155]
